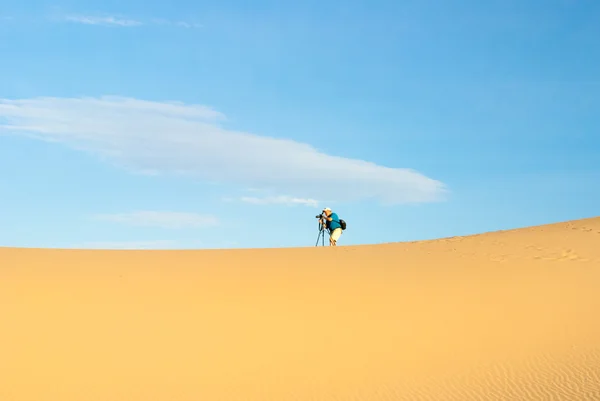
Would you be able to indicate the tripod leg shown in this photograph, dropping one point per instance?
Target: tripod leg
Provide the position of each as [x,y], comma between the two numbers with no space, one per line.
[320,233]
[321,236]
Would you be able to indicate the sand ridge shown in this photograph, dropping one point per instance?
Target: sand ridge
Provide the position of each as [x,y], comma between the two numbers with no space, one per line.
[509,315]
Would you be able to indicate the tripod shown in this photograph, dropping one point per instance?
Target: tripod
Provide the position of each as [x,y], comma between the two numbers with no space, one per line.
[321,235]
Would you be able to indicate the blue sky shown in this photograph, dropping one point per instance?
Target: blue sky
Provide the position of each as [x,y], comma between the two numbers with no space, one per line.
[231,124]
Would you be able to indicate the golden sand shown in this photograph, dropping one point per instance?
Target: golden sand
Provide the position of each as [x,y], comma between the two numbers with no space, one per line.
[510,315]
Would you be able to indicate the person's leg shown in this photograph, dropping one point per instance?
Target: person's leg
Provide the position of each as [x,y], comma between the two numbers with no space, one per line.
[335,235]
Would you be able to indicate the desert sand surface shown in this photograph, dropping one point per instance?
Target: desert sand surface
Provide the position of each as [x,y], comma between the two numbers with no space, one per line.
[508,315]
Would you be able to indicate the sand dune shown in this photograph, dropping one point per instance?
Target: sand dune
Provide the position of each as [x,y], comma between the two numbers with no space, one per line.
[510,315]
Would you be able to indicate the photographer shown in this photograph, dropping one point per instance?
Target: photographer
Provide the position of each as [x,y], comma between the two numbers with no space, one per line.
[331,221]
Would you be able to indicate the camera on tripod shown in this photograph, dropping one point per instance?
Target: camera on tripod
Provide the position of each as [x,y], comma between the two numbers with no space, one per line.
[322,226]
[322,219]
[322,222]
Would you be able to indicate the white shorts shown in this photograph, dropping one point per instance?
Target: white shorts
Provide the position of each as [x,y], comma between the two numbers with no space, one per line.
[335,234]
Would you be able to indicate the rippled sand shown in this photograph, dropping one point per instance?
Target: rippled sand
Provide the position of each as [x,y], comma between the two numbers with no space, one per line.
[510,315]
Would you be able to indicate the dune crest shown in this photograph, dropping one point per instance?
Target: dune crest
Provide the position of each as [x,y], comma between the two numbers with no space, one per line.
[508,315]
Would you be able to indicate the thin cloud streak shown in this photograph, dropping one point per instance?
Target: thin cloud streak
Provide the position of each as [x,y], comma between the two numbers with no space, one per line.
[187,139]
[111,20]
[159,244]
[182,24]
[129,245]
[170,220]
[280,200]
[89,20]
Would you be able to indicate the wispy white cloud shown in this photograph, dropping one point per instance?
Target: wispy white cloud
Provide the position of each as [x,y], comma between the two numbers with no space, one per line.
[181,24]
[168,137]
[280,200]
[112,20]
[160,219]
[184,24]
[92,20]
[122,245]
[164,244]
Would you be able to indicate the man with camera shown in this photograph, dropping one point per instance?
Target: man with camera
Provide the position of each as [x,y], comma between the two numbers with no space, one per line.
[331,221]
